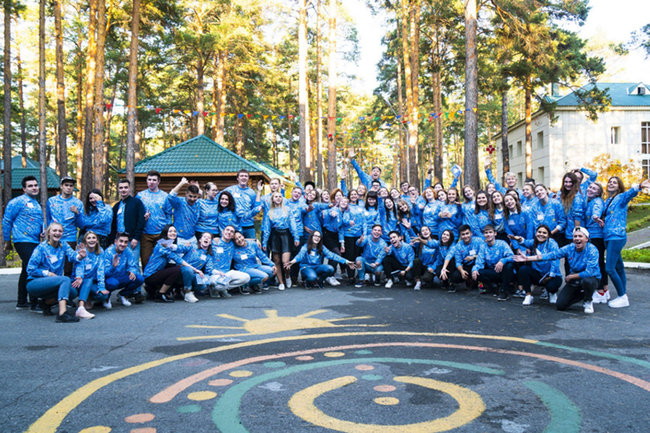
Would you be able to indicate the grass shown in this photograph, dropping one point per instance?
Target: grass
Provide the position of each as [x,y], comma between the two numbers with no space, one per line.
[636,255]
[638,217]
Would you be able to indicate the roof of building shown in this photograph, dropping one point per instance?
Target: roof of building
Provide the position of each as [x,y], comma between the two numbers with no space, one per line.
[197,155]
[31,169]
[622,94]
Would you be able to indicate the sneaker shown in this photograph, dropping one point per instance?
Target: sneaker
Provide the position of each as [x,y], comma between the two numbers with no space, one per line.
[138,298]
[528,300]
[189,297]
[37,308]
[552,298]
[22,305]
[589,307]
[366,278]
[408,283]
[255,289]
[389,283]
[358,284]
[124,301]
[451,288]
[333,281]
[519,294]
[244,291]
[225,294]
[620,302]
[600,298]
[66,318]
[418,285]
[289,283]
[544,295]
[82,313]
[281,287]
[502,297]
[164,298]
[265,287]
[107,304]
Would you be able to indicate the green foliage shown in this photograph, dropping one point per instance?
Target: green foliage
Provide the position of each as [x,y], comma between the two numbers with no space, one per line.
[629,172]
[638,217]
[639,256]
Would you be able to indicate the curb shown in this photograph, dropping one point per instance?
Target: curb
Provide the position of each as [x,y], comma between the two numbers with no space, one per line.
[10,271]
[636,265]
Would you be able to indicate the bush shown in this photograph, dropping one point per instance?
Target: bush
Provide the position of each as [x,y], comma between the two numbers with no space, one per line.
[636,255]
[638,217]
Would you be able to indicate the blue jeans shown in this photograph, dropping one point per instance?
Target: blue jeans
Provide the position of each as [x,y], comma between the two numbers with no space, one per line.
[614,264]
[316,272]
[121,281]
[365,267]
[87,286]
[258,273]
[48,287]
[248,232]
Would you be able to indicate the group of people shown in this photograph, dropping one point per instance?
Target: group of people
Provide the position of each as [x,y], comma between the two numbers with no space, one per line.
[189,242]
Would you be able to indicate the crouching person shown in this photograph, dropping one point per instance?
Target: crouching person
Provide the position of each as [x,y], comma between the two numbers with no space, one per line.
[250,259]
[373,253]
[122,272]
[89,276]
[310,259]
[584,275]
[463,256]
[494,264]
[399,261]
[222,277]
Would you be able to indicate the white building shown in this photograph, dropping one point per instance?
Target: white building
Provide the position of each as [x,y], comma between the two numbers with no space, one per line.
[573,140]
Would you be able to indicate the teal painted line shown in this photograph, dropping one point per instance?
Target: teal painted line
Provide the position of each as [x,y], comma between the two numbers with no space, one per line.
[190,408]
[565,416]
[225,413]
[621,358]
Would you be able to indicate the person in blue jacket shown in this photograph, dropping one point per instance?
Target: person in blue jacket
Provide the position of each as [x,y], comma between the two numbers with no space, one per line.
[592,176]
[387,216]
[227,214]
[247,202]
[528,198]
[89,275]
[518,223]
[157,215]
[311,256]
[223,277]
[96,217]
[464,255]
[614,222]
[373,249]
[279,231]
[353,226]
[494,264]
[479,217]
[61,209]
[509,177]
[185,211]
[594,206]
[426,256]
[371,211]
[208,210]
[573,204]
[23,223]
[398,262]
[196,267]
[45,272]
[451,214]
[547,211]
[545,274]
[405,220]
[445,245]
[248,257]
[375,172]
[312,219]
[122,272]
[583,267]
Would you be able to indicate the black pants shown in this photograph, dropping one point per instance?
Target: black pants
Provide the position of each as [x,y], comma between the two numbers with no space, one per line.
[505,277]
[24,250]
[576,291]
[528,276]
[456,276]
[600,244]
[67,269]
[331,242]
[392,267]
[167,276]
[352,251]
[295,269]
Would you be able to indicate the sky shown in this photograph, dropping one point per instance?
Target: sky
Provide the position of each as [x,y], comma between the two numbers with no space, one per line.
[608,20]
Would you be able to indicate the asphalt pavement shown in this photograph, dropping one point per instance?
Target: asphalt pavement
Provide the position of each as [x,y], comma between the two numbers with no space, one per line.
[336,359]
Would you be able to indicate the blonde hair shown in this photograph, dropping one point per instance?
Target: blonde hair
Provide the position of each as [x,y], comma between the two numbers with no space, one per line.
[49,229]
[98,248]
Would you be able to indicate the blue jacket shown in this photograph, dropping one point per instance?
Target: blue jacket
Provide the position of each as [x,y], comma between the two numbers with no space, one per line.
[128,262]
[246,257]
[528,203]
[200,259]
[371,217]
[58,210]
[364,177]
[47,258]
[353,223]
[162,255]
[550,214]
[99,220]
[583,263]
[223,253]
[156,204]
[594,208]
[279,219]
[388,221]
[477,221]
[92,267]
[592,177]
[430,254]
[519,224]
[208,216]
[452,223]
[404,254]
[332,219]
[462,250]
[489,256]
[185,216]
[373,251]
[616,214]
[227,218]
[576,212]
[468,209]
[312,219]
[246,204]
[499,221]
[550,267]
[298,209]
[430,215]
[23,220]
[443,252]
[312,258]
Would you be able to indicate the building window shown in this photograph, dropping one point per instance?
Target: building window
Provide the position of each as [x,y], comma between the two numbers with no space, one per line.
[645,137]
[510,154]
[520,178]
[540,140]
[615,135]
[519,152]
[540,175]
[645,166]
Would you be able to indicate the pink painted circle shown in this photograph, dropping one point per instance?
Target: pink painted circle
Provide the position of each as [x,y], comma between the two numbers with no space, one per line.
[384,388]
[139,418]
[364,367]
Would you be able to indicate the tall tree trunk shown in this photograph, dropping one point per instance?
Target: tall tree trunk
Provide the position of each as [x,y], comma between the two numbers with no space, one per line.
[290,141]
[62,125]
[437,108]
[80,118]
[42,143]
[505,150]
[200,96]
[304,147]
[331,100]
[528,104]
[408,77]
[319,96]
[107,141]
[401,154]
[220,92]
[21,104]
[132,98]
[99,167]
[6,144]
[414,129]
[471,96]
[91,64]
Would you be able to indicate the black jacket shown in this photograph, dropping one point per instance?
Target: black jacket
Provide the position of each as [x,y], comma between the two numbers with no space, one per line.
[133,218]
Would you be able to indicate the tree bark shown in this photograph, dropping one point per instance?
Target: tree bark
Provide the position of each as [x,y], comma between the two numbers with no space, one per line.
[319,95]
[414,125]
[291,167]
[331,100]
[505,150]
[62,124]
[437,108]
[99,167]
[528,104]
[80,111]
[200,95]
[132,96]
[471,173]
[6,144]
[401,154]
[91,64]
[42,143]
[21,104]
[220,92]
[304,147]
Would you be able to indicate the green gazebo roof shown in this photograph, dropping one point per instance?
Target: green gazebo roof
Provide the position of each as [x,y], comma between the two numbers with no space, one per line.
[31,169]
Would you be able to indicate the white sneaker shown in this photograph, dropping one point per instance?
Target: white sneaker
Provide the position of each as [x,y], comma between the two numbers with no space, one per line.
[281,287]
[333,281]
[597,298]
[125,301]
[589,307]
[107,304]
[82,313]
[367,277]
[418,285]
[289,283]
[189,297]
[389,283]
[528,300]
[620,302]
[552,298]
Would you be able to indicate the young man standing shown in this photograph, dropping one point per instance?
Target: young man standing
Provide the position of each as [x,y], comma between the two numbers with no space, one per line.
[61,209]
[399,260]
[128,216]
[23,224]
[121,271]
[246,203]
[156,215]
[185,212]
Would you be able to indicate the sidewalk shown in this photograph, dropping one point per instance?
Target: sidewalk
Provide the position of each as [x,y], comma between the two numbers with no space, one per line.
[638,239]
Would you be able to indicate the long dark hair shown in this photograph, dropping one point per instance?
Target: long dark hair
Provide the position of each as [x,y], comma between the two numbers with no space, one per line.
[394,210]
[90,206]
[567,196]
[231,202]
[451,238]
[372,194]
[548,230]
[315,245]
[477,208]
[164,233]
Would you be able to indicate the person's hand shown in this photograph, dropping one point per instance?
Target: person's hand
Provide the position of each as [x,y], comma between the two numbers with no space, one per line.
[342,249]
[498,267]
[387,250]
[184,181]
[131,276]
[406,223]
[351,154]
[264,248]
[51,274]
[76,283]
[372,265]
[116,261]
[444,274]
[464,274]
[345,172]
[402,273]
[104,292]
[600,222]
[469,258]
[350,264]
[296,243]
[260,185]
[147,215]
[289,264]
[475,275]
[488,162]
[199,273]
[82,251]
[351,223]
[572,277]
[361,238]
[274,269]
[645,184]
[74,209]
[520,258]
[430,171]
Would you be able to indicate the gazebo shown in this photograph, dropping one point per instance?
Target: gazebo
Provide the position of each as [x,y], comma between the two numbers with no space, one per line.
[32,168]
